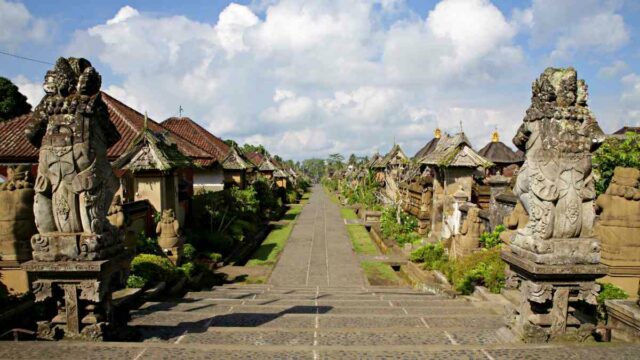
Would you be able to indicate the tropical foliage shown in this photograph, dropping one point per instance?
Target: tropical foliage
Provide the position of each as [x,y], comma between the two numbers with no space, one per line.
[615,152]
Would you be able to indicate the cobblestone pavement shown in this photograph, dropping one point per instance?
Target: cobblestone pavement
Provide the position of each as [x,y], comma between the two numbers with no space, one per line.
[317,307]
[318,252]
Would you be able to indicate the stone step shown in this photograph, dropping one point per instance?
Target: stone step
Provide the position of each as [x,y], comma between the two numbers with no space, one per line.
[67,350]
[310,321]
[211,308]
[314,296]
[348,337]
[337,303]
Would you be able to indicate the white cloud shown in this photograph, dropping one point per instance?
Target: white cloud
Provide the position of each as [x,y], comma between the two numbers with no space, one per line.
[32,90]
[574,25]
[310,78]
[610,71]
[630,99]
[123,14]
[18,26]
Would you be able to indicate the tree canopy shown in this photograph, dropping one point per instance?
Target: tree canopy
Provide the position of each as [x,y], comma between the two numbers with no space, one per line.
[12,102]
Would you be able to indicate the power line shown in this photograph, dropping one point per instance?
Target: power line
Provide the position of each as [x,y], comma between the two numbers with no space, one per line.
[25,58]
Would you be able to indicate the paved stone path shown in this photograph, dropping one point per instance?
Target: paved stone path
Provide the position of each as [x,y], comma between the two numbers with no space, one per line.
[317,306]
[318,252]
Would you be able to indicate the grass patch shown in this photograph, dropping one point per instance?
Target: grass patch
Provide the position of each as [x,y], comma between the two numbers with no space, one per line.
[268,252]
[256,280]
[348,214]
[361,241]
[379,273]
[271,247]
[292,213]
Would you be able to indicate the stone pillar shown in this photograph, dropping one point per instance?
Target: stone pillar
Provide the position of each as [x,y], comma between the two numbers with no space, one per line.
[555,258]
[498,184]
[78,256]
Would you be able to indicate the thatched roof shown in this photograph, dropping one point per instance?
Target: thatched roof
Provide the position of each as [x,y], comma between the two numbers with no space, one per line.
[235,160]
[499,153]
[151,151]
[430,146]
[395,156]
[455,151]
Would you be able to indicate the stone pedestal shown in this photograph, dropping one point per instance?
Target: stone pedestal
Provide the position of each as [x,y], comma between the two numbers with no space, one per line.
[557,301]
[498,185]
[624,319]
[81,291]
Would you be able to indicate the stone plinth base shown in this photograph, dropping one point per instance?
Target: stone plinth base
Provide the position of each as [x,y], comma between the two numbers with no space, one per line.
[624,318]
[371,217]
[557,251]
[557,301]
[74,246]
[81,291]
[14,277]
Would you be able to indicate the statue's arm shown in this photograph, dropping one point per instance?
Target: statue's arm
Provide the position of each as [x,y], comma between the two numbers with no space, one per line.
[159,228]
[522,136]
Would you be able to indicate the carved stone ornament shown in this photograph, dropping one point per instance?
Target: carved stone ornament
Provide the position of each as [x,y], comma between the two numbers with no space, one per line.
[538,292]
[41,289]
[71,127]
[555,184]
[169,230]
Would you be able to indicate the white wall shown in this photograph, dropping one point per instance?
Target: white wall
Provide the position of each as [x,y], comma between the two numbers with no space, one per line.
[209,179]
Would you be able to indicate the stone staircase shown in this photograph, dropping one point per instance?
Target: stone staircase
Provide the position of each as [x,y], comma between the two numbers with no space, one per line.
[277,322]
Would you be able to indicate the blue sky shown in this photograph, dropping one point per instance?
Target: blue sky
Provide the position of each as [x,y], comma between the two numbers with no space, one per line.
[308,78]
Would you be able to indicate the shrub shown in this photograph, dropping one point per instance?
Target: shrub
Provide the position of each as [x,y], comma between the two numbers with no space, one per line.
[135,281]
[153,268]
[480,268]
[188,252]
[147,245]
[431,255]
[292,196]
[608,291]
[188,269]
[492,239]
[215,257]
[615,152]
[402,231]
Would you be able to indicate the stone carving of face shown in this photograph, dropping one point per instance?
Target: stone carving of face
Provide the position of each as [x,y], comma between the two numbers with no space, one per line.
[583,93]
[89,81]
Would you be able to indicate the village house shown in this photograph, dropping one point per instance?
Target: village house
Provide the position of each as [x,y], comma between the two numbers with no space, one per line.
[454,166]
[507,162]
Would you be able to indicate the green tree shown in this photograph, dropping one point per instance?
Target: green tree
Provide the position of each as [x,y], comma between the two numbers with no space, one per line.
[12,102]
[353,159]
[336,161]
[313,168]
[615,152]
[249,148]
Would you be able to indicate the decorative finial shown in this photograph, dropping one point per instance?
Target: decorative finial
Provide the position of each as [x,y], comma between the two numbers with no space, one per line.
[461,131]
[180,110]
[146,120]
[495,137]
[437,133]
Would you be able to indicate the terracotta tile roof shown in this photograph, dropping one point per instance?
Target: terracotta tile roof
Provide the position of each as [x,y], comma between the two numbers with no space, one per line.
[197,135]
[130,123]
[256,158]
[14,147]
